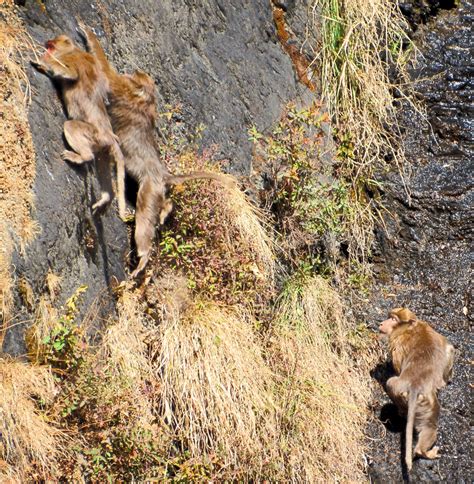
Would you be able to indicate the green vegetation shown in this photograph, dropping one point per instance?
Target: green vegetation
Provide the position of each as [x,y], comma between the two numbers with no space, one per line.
[322,222]
[234,360]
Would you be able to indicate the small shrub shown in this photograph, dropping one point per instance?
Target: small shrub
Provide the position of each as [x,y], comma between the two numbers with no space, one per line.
[312,203]
[216,238]
[57,339]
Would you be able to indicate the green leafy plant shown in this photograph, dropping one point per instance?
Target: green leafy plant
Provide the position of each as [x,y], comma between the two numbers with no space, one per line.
[311,200]
[61,347]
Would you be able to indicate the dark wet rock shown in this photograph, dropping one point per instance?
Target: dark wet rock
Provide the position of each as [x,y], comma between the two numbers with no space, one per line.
[220,60]
[424,258]
[421,11]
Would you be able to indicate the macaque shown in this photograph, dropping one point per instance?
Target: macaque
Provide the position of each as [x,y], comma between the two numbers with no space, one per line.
[88,131]
[133,113]
[423,360]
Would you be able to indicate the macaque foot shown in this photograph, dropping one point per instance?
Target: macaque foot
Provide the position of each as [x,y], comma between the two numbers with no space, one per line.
[68,155]
[101,203]
[429,454]
[81,28]
[141,266]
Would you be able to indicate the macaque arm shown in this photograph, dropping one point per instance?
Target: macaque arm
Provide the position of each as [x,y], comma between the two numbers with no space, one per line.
[94,47]
[56,69]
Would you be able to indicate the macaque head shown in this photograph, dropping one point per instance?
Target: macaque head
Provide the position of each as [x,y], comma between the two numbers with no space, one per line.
[396,316]
[61,43]
[144,83]
[143,79]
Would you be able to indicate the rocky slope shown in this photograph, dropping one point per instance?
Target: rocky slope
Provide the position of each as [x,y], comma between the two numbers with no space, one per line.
[424,258]
[221,61]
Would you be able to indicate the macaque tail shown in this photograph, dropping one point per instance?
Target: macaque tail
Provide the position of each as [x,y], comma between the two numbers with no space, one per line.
[412,399]
[196,175]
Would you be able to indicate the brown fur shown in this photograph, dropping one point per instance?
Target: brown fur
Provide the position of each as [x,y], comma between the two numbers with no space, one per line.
[88,131]
[423,360]
[133,114]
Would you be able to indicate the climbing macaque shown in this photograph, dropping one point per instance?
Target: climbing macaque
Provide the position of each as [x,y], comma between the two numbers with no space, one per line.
[423,360]
[88,131]
[133,113]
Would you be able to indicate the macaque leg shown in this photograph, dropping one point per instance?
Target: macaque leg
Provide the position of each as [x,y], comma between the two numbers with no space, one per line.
[105,182]
[149,201]
[81,137]
[395,393]
[427,428]
[426,439]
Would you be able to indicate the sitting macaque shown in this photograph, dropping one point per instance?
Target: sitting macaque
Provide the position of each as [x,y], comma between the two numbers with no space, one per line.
[88,131]
[423,360]
[133,113]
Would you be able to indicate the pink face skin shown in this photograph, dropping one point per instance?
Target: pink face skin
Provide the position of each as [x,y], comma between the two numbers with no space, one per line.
[387,326]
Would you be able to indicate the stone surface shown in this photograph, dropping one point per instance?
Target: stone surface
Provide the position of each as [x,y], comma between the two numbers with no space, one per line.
[424,257]
[219,59]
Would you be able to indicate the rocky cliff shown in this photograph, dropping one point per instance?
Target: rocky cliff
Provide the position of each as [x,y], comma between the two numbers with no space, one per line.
[220,61]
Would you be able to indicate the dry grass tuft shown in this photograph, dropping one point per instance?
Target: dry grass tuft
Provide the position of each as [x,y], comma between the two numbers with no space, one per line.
[123,345]
[45,320]
[29,443]
[53,284]
[17,156]
[216,389]
[253,228]
[362,51]
[360,42]
[321,393]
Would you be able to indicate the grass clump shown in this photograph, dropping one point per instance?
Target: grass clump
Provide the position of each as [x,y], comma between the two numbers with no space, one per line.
[363,52]
[217,389]
[321,395]
[30,445]
[216,238]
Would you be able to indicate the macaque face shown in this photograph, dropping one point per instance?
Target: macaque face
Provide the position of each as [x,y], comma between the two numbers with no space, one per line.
[387,326]
[62,43]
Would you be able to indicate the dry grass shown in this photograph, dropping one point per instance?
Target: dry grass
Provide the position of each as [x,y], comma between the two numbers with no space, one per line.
[45,320]
[17,156]
[216,389]
[29,444]
[201,395]
[253,228]
[358,44]
[322,395]
[360,41]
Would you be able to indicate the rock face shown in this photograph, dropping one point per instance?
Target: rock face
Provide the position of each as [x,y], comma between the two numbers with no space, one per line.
[220,60]
[425,256]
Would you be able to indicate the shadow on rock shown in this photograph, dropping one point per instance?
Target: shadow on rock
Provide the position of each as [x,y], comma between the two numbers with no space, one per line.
[382,372]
